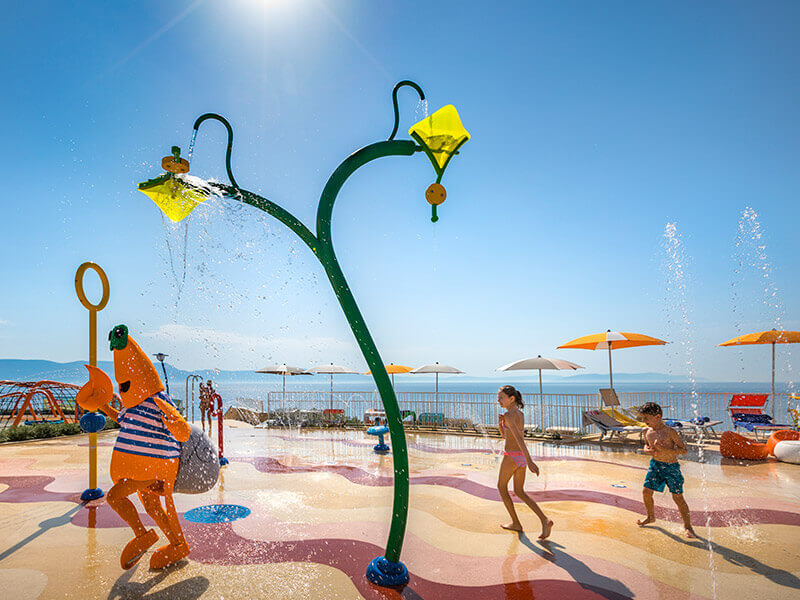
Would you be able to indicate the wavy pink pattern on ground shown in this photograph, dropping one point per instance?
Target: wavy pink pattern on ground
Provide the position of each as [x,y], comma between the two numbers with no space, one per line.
[219,544]
[206,548]
[716,518]
[532,560]
[30,488]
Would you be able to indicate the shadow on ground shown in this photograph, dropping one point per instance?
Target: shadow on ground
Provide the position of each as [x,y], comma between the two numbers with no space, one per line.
[734,557]
[187,589]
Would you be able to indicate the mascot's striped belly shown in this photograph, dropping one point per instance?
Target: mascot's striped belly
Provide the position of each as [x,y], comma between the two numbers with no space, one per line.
[142,431]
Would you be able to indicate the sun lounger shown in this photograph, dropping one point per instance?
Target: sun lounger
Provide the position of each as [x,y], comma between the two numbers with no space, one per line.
[609,425]
[747,412]
[757,423]
[622,417]
[615,409]
[696,425]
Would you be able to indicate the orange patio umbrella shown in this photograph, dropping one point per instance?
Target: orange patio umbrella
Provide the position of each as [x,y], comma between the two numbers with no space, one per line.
[392,368]
[613,340]
[773,336]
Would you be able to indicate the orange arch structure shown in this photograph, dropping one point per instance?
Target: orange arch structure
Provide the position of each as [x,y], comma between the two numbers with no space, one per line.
[42,400]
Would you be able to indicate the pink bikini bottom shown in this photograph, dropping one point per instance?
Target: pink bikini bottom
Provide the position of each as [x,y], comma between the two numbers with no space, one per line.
[517,457]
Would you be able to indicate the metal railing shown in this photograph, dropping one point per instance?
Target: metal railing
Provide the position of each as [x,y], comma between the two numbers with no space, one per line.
[714,405]
[460,410]
[480,410]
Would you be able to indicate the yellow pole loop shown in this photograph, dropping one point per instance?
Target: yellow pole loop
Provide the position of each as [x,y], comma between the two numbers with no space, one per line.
[93,310]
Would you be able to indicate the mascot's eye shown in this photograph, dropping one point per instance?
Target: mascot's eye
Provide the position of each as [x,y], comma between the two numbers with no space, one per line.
[118,337]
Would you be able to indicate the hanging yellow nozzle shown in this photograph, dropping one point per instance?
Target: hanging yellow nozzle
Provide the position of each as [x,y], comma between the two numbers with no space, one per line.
[440,135]
[174,195]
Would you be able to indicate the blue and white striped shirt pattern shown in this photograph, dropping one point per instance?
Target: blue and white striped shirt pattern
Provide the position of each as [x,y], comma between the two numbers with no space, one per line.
[142,432]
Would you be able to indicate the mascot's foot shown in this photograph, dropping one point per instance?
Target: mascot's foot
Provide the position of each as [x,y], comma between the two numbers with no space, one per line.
[168,555]
[136,548]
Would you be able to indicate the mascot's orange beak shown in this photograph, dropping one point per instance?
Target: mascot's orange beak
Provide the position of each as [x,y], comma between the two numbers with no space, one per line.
[97,392]
[134,371]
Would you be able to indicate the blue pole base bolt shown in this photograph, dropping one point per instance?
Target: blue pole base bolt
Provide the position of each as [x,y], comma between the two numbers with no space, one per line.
[92,494]
[386,573]
[223,461]
[381,449]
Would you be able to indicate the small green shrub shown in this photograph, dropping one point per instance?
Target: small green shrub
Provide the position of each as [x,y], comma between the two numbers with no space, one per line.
[44,430]
[16,434]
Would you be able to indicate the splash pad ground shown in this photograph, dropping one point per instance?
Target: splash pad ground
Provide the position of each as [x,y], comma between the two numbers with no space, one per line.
[320,504]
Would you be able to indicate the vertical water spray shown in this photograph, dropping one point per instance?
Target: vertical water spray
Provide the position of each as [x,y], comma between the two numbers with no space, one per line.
[751,263]
[178,273]
[679,314]
[676,303]
[421,111]
[191,145]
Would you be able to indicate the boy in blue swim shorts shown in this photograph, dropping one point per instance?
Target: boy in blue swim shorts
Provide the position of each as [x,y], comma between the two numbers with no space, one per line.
[664,445]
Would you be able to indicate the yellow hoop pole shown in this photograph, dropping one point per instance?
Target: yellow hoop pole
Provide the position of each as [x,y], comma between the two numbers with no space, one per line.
[93,310]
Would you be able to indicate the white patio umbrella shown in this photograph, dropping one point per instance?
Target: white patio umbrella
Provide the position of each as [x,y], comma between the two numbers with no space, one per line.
[538,364]
[332,370]
[435,368]
[283,370]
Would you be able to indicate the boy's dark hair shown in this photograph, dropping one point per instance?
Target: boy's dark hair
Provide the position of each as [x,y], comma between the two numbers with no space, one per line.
[651,408]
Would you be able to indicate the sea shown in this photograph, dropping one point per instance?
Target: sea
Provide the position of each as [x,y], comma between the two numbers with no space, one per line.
[243,393]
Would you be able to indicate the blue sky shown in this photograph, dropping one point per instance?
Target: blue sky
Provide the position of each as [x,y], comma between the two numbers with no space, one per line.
[593,125]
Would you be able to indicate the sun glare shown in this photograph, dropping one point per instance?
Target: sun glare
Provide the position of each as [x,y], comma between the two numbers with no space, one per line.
[263,14]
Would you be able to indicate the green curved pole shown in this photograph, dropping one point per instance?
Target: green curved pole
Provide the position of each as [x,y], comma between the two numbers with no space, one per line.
[322,247]
[227,125]
[408,83]
[394,545]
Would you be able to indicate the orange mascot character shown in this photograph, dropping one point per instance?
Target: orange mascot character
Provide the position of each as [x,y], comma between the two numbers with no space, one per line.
[147,452]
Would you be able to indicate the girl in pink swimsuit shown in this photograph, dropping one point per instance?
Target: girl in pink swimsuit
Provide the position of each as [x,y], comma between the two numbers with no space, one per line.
[515,460]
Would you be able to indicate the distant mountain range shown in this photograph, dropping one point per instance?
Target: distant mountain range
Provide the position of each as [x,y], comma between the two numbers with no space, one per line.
[74,372]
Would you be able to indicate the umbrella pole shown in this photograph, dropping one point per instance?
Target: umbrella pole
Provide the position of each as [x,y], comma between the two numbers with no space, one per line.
[284,389]
[436,403]
[541,403]
[610,372]
[774,415]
